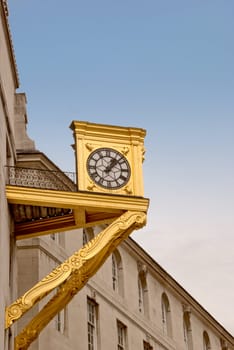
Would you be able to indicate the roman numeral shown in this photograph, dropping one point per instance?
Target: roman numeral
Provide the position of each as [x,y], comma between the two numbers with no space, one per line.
[96,176]
[121,161]
[123,177]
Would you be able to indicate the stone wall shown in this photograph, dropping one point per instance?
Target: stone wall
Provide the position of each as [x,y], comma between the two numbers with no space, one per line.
[8,85]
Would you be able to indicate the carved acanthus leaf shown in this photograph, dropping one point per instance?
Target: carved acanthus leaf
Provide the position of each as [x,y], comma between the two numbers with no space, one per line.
[125,150]
[128,189]
[91,186]
[89,146]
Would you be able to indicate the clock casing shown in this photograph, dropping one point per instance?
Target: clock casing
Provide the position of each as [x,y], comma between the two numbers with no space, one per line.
[108,168]
[109,158]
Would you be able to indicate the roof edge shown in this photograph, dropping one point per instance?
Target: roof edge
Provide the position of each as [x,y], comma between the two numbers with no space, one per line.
[4,15]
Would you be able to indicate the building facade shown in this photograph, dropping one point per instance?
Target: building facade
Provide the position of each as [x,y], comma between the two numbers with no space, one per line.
[130,303]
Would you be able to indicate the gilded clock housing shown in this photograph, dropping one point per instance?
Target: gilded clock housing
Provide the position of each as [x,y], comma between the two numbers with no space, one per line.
[109,158]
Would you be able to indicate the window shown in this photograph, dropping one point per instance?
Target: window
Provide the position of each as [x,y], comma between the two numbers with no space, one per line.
[186,341]
[143,303]
[60,318]
[187,331]
[88,234]
[117,272]
[166,315]
[8,152]
[140,296]
[122,333]
[60,321]
[206,341]
[114,273]
[85,237]
[92,324]
[147,346]
[224,344]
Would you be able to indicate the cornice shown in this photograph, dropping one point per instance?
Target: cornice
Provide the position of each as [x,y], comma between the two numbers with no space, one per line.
[6,26]
[75,200]
[86,209]
[107,131]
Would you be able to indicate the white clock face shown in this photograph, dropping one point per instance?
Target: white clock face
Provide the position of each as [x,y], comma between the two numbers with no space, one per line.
[108,168]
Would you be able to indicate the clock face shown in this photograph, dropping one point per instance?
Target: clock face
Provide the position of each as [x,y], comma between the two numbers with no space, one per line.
[108,168]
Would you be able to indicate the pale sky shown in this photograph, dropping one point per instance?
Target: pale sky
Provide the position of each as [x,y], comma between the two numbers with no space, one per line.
[163,65]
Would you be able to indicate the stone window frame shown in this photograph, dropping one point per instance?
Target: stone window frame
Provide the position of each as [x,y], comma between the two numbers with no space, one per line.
[121,336]
[92,309]
[166,315]
[117,272]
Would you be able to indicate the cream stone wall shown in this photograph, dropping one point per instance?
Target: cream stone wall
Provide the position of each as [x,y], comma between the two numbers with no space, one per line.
[8,71]
[8,85]
[112,306]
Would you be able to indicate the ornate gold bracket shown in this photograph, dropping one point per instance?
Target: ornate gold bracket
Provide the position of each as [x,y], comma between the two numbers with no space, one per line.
[71,276]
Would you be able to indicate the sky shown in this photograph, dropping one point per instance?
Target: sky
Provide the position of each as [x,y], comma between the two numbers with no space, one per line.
[162,65]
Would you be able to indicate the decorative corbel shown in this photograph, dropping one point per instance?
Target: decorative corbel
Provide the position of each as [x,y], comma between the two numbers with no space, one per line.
[71,276]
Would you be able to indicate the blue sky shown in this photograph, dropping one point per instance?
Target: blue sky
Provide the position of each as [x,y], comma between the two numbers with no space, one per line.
[166,66]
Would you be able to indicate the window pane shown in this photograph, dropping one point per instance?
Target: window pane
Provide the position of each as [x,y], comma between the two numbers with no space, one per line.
[121,329]
[114,272]
[91,310]
[147,346]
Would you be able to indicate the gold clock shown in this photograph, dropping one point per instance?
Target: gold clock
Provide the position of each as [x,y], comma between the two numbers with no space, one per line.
[109,158]
[108,168]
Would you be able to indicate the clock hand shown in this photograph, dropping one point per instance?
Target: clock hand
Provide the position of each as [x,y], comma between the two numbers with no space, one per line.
[111,165]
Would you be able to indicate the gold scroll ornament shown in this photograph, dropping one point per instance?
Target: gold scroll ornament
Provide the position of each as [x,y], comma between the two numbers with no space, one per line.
[71,276]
